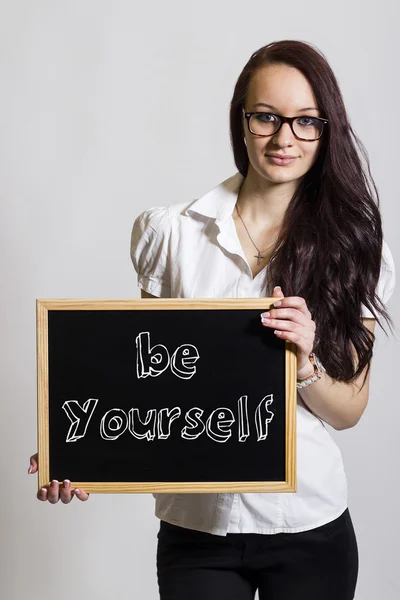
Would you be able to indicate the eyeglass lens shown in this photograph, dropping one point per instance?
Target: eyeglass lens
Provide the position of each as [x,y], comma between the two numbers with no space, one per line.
[307,128]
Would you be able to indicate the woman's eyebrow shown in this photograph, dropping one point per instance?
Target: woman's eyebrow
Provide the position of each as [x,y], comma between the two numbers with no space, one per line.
[275,108]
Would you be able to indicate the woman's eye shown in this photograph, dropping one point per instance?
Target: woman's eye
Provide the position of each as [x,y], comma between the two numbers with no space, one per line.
[265,117]
[306,121]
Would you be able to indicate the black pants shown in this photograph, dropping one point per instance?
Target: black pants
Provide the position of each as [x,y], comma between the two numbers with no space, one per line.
[319,564]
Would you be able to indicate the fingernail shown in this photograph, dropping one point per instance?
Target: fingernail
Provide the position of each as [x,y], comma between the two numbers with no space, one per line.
[264,314]
[77,491]
[277,287]
[277,303]
[43,490]
[30,469]
[54,482]
[67,483]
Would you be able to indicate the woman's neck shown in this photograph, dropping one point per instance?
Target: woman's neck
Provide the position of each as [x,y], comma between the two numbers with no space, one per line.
[262,202]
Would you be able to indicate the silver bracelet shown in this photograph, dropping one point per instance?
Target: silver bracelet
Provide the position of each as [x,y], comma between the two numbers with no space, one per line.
[318,370]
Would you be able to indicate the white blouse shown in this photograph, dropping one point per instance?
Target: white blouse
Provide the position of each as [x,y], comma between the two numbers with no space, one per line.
[192,250]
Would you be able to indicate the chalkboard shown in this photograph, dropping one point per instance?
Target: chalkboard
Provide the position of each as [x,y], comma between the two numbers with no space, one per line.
[165,395]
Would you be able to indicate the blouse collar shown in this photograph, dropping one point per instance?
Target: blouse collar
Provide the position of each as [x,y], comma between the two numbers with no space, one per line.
[220,202]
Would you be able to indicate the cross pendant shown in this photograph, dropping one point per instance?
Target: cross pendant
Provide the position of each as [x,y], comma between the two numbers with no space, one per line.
[259,257]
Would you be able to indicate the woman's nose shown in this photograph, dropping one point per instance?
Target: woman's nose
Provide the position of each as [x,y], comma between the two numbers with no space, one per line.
[284,136]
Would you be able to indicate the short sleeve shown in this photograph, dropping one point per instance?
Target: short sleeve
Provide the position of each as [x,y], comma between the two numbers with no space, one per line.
[387,280]
[149,251]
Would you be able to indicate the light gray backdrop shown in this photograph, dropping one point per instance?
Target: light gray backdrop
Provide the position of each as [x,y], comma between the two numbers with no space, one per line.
[108,108]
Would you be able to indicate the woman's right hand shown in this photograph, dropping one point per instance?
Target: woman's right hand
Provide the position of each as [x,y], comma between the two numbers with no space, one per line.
[55,492]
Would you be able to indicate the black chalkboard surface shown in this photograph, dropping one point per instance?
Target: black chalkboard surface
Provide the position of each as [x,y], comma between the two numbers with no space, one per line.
[159,395]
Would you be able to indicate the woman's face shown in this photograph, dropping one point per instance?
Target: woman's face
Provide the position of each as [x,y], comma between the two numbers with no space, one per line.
[282,90]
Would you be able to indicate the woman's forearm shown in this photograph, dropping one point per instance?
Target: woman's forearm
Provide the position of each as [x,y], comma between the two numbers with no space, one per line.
[338,404]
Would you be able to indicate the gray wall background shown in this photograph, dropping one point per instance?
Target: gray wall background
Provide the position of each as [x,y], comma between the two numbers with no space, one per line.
[110,107]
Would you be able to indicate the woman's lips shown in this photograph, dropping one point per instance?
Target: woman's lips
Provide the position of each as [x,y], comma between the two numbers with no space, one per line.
[281,161]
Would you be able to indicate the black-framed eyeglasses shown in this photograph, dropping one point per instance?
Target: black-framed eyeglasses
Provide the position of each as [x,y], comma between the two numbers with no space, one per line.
[304,128]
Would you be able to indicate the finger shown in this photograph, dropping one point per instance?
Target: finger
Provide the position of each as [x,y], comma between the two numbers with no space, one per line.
[303,337]
[66,492]
[289,314]
[33,467]
[53,495]
[277,292]
[284,327]
[302,343]
[42,495]
[291,326]
[294,302]
[81,495]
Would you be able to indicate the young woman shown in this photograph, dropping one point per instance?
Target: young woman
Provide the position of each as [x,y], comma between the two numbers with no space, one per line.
[299,221]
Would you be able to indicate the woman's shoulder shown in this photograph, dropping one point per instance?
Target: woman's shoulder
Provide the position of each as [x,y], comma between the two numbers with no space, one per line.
[387,279]
[154,219]
[160,219]
[387,257]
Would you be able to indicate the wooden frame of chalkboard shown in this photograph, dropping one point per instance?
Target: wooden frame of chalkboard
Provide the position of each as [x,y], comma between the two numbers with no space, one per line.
[90,345]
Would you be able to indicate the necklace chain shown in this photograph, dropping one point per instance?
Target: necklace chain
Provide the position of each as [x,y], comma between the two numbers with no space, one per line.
[259,256]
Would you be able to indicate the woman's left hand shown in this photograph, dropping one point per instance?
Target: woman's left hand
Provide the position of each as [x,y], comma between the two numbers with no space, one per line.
[292,321]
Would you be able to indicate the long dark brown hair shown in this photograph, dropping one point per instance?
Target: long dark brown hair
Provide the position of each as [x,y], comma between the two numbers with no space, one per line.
[330,243]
